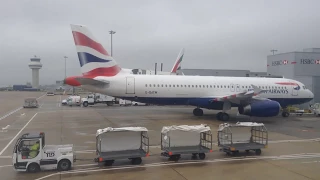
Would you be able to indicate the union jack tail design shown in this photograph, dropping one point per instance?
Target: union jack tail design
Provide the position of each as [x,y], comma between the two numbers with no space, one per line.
[94,59]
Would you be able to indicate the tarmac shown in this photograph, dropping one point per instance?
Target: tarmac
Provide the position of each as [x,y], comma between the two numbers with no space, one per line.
[293,151]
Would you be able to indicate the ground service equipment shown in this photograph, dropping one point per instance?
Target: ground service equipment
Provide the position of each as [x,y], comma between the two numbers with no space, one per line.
[121,143]
[31,103]
[316,109]
[96,98]
[184,139]
[32,155]
[242,136]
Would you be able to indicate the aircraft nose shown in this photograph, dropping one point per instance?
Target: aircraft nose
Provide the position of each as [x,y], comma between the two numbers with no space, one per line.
[311,95]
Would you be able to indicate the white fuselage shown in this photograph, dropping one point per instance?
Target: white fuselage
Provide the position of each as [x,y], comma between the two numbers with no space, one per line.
[167,89]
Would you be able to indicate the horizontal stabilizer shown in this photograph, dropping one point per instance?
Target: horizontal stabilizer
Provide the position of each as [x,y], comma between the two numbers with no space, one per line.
[89,81]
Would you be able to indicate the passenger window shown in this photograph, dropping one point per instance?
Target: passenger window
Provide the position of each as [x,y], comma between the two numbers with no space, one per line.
[196,86]
[185,85]
[158,85]
[188,85]
[154,85]
[192,85]
[177,85]
[224,86]
[210,86]
[166,85]
[173,86]
[161,85]
[150,85]
[146,85]
[169,85]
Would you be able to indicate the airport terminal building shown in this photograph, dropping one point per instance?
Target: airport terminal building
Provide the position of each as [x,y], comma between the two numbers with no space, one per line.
[301,66]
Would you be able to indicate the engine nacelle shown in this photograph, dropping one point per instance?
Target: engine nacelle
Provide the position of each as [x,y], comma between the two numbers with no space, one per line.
[261,109]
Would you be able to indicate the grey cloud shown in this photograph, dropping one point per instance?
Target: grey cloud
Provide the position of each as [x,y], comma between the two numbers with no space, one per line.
[215,34]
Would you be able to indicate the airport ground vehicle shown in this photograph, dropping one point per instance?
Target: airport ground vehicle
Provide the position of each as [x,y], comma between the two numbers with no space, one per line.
[184,139]
[31,103]
[123,102]
[316,109]
[64,102]
[50,93]
[96,98]
[121,143]
[32,155]
[135,103]
[74,101]
[242,136]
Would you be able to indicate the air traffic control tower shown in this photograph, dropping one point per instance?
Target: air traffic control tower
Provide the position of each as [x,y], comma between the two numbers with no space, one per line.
[35,65]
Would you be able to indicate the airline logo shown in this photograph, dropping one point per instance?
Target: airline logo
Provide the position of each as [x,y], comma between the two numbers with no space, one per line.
[94,59]
[177,65]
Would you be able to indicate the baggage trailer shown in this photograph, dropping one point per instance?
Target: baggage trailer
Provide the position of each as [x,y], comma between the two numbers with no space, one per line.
[121,143]
[184,139]
[242,136]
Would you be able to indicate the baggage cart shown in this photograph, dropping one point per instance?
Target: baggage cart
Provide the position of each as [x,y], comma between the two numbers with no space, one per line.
[242,136]
[121,143]
[184,139]
[30,102]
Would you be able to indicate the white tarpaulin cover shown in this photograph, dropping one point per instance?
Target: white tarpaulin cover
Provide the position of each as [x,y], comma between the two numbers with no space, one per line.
[183,135]
[110,129]
[245,124]
[187,128]
[119,139]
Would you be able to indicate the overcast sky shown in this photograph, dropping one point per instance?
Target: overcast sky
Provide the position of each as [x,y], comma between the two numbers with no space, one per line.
[215,34]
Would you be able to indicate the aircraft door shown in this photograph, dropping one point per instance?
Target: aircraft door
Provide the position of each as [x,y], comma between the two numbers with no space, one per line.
[237,87]
[232,87]
[130,89]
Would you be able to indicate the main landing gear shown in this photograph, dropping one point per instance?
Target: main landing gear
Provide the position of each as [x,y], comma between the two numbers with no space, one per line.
[198,112]
[220,116]
[285,112]
[223,116]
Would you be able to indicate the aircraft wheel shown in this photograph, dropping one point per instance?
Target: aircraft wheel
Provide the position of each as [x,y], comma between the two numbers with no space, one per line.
[198,112]
[285,114]
[224,117]
[219,115]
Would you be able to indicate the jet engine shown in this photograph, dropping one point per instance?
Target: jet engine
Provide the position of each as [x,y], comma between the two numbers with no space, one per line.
[267,108]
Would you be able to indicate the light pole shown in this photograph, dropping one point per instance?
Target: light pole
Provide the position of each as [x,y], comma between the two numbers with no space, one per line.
[65,67]
[273,50]
[111,32]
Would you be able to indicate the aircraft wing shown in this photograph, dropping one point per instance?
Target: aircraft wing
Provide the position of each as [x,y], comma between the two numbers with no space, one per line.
[242,97]
[93,82]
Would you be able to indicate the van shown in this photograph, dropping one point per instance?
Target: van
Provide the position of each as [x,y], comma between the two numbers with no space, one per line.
[74,101]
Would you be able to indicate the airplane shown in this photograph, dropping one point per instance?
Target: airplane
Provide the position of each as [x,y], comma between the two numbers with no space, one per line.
[253,96]
[177,64]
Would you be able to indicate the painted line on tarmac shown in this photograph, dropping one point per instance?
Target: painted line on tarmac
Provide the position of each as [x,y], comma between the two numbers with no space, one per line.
[17,134]
[11,112]
[271,142]
[5,166]
[8,114]
[171,164]
[5,157]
